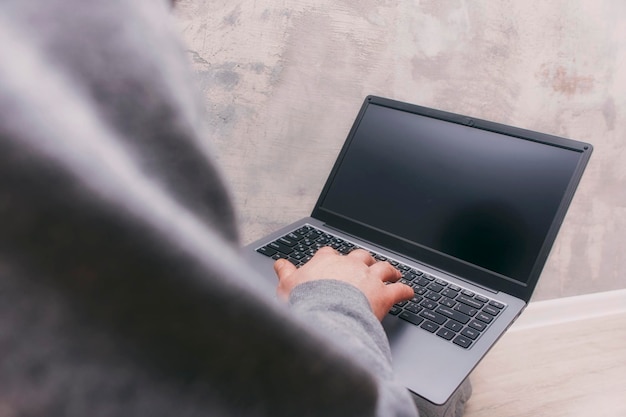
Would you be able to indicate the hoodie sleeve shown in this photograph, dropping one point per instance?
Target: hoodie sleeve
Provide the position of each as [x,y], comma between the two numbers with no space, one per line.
[341,313]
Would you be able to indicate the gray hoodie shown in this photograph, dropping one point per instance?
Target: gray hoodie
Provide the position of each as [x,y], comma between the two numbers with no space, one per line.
[121,290]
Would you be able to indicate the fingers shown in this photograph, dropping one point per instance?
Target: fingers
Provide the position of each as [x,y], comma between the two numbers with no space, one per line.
[391,294]
[326,250]
[283,268]
[399,292]
[386,272]
[364,256]
[377,280]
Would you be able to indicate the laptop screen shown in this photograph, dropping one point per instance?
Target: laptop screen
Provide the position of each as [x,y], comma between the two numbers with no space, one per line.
[461,195]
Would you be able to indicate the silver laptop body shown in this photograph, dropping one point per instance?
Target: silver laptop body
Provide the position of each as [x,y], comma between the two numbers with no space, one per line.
[467,209]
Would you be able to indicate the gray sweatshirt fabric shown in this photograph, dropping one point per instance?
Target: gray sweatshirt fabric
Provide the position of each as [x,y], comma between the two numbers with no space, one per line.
[121,290]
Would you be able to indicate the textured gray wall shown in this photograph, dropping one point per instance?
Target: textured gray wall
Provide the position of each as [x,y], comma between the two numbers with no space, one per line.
[282,82]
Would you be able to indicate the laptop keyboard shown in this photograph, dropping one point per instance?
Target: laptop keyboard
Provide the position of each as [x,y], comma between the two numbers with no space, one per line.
[442,308]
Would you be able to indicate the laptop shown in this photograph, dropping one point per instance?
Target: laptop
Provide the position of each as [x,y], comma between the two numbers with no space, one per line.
[466,209]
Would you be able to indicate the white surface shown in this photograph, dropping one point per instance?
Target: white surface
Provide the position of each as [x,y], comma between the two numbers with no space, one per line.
[571,309]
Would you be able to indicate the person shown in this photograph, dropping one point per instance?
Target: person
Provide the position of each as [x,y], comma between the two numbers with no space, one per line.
[122,292]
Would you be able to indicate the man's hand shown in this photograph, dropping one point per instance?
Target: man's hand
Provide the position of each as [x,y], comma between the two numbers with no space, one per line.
[377,280]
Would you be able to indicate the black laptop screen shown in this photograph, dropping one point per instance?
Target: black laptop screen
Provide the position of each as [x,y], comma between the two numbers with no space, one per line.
[462,193]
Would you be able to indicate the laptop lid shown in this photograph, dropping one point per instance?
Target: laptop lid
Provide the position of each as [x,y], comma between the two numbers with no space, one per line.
[476,199]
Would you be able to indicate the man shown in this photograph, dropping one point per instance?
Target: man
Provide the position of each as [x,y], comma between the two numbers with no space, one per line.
[121,289]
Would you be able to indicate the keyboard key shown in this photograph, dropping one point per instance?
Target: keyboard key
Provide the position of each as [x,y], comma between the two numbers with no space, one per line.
[446,334]
[411,318]
[480,298]
[491,310]
[453,314]
[441,282]
[307,242]
[433,296]
[470,302]
[462,341]
[287,241]
[409,276]
[449,292]
[267,251]
[413,308]
[496,304]
[322,240]
[478,325]
[279,247]
[419,290]
[455,326]
[301,248]
[433,316]
[395,310]
[429,304]
[484,317]
[448,302]
[431,327]
[416,299]
[343,249]
[294,236]
[435,287]
[470,333]
[465,309]
[423,282]
[314,234]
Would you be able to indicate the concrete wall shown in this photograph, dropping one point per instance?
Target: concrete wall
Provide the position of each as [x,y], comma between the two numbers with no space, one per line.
[282,82]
